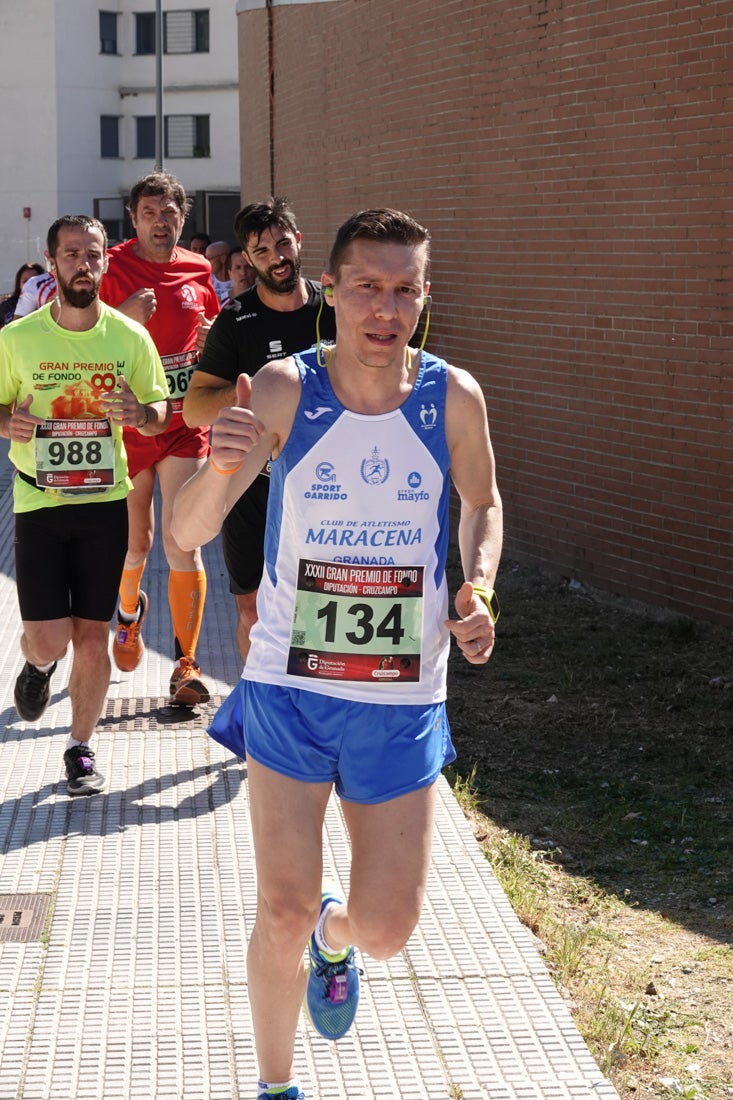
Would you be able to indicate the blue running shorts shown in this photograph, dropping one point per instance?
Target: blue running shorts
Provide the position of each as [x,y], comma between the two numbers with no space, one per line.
[371,752]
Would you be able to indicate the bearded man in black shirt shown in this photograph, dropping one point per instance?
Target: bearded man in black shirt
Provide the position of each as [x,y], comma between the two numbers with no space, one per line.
[275,318]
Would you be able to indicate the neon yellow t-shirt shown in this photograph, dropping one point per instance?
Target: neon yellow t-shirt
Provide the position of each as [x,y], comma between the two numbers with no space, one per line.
[77,454]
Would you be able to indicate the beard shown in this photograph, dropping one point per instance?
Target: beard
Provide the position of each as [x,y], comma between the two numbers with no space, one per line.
[77,297]
[281,286]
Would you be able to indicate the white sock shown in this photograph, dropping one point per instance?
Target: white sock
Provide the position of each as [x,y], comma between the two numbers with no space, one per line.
[45,668]
[128,618]
[318,934]
[72,743]
[271,1089]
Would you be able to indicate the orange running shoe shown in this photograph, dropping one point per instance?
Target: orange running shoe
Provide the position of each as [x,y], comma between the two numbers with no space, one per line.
[187,688]
[127,647]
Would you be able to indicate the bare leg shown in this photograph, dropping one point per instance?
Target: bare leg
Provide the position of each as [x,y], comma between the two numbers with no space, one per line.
[246,618]
[172,473]
[288,848]
[43,642]
[391,844]
[141,519]
[89,679]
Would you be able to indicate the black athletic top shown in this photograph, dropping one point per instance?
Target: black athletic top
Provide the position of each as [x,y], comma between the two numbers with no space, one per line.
[247,333]
[245,336]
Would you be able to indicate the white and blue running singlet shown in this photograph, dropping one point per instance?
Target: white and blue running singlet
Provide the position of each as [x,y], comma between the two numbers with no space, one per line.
[353,597]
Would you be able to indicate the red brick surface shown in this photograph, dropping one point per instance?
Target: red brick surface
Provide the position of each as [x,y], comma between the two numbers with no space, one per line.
[572,159]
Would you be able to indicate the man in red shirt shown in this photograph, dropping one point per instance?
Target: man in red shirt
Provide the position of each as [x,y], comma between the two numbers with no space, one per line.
[168,289]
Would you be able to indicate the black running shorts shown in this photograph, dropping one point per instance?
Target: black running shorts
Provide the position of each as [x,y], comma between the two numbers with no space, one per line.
[69,559]
[243,538]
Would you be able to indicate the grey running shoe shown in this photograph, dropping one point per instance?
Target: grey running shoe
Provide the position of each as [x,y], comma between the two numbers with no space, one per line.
[81,775]
[33,691]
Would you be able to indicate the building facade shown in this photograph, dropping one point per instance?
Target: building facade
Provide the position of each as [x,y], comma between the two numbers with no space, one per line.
[572,159]
[79,92]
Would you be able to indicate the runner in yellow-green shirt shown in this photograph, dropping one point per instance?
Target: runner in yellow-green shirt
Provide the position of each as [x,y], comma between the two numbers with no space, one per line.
[72,375]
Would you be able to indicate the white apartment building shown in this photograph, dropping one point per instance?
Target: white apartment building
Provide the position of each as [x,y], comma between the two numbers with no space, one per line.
[78,107]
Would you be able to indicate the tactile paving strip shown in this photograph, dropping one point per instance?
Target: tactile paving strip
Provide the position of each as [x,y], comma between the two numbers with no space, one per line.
[139,990]
[154,713]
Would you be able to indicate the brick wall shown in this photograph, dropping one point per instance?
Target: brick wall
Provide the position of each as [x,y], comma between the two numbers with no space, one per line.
[572,159]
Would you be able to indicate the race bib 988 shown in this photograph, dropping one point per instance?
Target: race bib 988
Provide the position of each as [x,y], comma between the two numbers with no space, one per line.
[75,454]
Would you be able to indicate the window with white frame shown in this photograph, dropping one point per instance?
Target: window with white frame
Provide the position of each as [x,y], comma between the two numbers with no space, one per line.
[187,136]
[109,136]
[145,136]
[186,31]
[184,136]
[108,32]
[145,32]
[111,213]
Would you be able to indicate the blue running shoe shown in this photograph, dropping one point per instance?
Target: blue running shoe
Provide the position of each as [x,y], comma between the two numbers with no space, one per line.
[332,995]
[293,1093]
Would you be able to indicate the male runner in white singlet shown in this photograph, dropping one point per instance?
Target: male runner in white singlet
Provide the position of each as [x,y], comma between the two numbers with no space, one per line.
[345,681]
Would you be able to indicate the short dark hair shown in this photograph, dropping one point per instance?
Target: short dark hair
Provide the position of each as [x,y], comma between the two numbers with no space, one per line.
[159,183]
[73,221]
[200,237]
[383,224]
[254,219]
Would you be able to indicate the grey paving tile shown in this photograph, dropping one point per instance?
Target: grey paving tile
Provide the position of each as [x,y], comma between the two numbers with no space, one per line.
[140,992]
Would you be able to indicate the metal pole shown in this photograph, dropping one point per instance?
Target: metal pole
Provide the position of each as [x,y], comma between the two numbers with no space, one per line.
[271,75]
[158,85]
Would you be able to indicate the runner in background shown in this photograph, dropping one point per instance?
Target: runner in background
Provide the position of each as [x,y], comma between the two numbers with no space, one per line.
[240,273]
[199,243]
[8,305]
[73,375]
[217,254]
[38,291]
[281,314]
[168,289]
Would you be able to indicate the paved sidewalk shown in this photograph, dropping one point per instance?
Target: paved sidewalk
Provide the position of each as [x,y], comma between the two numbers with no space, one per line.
[125,917]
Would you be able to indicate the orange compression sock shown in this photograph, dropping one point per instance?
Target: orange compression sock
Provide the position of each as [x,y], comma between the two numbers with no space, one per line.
[130,589]
[186,596]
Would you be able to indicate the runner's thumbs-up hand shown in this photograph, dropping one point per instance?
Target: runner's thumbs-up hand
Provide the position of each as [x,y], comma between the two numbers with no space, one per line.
[202,331]
[473,630]
[236,430]
[122,407]
[22,423]
[244,391]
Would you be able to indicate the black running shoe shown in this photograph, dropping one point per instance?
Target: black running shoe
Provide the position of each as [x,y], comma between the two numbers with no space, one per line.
[81,775]
[33,691]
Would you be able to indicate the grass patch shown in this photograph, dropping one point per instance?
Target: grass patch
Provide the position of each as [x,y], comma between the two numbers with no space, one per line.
[595,763]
